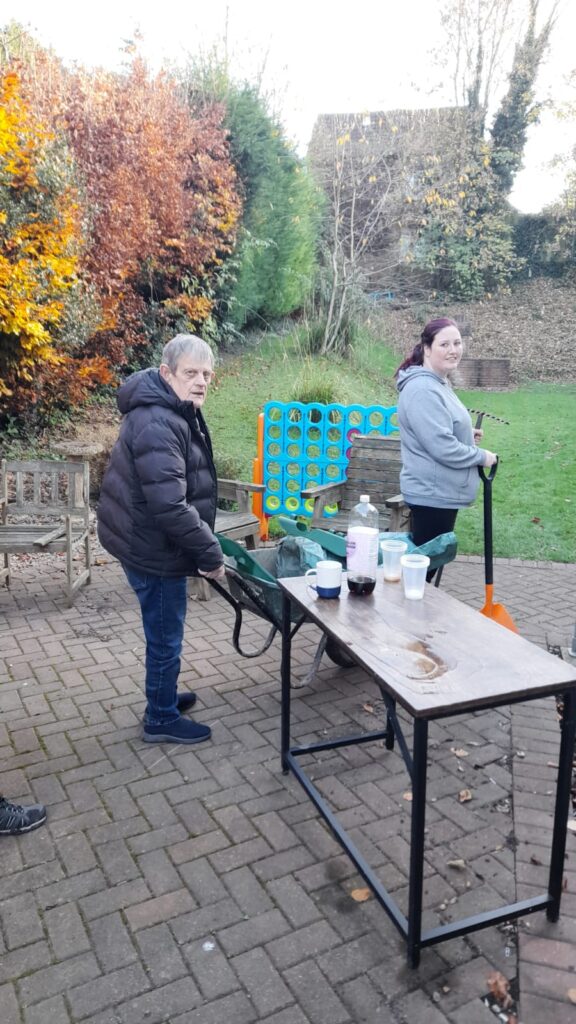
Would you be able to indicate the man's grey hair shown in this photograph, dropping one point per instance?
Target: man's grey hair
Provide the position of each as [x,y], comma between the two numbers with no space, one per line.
[186,345]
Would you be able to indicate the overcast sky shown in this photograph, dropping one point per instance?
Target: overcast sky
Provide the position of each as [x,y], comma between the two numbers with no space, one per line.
[317,56]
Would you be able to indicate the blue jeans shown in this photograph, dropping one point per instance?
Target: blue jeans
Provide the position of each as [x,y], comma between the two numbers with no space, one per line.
[163,605]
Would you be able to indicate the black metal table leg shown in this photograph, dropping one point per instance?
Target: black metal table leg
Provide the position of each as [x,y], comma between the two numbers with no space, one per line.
[420,753]
[563,791]
[390,707]
[285,677]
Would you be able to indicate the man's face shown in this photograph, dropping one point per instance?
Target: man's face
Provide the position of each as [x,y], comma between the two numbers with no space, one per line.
[190,380]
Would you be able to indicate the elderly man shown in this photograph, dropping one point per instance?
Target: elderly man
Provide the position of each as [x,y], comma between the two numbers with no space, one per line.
[156,516]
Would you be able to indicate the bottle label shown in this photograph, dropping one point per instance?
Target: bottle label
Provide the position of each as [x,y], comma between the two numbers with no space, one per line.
[362,550]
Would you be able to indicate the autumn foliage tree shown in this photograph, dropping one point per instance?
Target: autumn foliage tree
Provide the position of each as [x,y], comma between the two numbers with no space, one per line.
[40,248]
[162,197]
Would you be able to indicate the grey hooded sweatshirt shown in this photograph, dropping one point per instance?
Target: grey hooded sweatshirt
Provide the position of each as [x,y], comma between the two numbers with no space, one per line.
[439,457]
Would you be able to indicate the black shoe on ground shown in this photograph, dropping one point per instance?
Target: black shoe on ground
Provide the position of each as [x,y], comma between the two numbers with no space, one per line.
[186,700]
[14,820]
[180,731]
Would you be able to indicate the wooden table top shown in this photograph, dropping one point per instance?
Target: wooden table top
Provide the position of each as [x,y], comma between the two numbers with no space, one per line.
[435,656]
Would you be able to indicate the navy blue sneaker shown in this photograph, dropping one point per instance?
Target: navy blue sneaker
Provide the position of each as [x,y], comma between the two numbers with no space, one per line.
[180,731]
[185,701]
[14,820]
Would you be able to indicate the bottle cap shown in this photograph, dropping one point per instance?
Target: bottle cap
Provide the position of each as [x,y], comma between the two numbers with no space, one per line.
[366,498]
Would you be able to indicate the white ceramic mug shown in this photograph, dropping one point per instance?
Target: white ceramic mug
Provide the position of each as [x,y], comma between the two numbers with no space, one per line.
[414,568]
[328,579]
[392,550]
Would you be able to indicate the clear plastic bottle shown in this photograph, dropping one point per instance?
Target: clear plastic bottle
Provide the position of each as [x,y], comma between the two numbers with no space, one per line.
[362,547]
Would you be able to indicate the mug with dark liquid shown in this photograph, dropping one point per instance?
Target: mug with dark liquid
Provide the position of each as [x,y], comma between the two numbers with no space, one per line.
[361,585]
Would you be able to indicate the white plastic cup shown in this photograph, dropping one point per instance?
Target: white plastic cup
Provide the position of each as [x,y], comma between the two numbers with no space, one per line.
[392,550]
[414,569]
[328,579]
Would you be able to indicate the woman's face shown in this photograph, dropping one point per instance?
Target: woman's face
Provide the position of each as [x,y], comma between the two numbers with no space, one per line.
[445,352]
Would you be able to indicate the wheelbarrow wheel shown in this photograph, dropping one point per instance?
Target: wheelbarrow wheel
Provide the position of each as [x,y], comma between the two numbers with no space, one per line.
[338,654]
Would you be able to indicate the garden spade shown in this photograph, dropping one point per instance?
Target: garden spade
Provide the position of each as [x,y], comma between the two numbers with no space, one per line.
[491,609]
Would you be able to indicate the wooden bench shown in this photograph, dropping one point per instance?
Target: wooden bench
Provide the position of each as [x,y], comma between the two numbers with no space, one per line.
[373,468]
[44,506]
[241,524]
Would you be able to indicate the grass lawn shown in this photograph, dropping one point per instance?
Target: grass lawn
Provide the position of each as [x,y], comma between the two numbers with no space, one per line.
[534,492]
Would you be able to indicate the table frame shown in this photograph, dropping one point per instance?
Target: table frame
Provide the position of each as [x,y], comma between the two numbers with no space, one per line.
[410,926]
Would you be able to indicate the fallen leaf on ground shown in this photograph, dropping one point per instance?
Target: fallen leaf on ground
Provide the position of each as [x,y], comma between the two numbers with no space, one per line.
[361,895]
[551,764]
[571,993]
[407,796]
[101,561]
[571,826]
[464,795]
[498,987]
[535,860]
[459,864]
[368,708]
[459,752]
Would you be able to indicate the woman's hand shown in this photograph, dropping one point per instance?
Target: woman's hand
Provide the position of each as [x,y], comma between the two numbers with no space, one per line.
[490,458]
[478,434]
[214,574]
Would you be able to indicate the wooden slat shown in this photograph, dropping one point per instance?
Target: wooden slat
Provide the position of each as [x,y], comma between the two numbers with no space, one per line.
[373,468]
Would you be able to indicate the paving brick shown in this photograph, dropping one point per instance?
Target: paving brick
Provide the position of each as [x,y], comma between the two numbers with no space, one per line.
[58,978]
[315,995]
[475,1012]
[105,991]
[291,1015]
[249,894]
[302,944]
[160,955]
[66,931]
[111,942]
[535,1009]
[235,1007]
[159,873]
[162,908]
[258,931]
[157,1006]
[206,921]
[49,1011]
[293,901]
[200,846]
[20,921]
[119,897]
[235,856]
[262,981]
[24,960]
[9,1008]
[117,862]
[211,969]
[364,1003]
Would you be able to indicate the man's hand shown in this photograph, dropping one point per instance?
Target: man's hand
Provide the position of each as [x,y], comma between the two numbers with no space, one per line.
[214,574]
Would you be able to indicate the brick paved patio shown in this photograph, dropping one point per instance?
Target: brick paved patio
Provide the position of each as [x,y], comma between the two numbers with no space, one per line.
[198,886]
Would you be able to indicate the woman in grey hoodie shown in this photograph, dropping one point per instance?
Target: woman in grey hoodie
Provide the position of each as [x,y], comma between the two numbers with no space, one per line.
[439,445]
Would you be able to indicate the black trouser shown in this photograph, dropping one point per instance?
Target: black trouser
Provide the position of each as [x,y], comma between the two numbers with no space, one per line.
[428,523]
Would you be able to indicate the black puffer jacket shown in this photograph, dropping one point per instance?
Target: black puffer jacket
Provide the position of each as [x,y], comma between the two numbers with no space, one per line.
[158,499]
